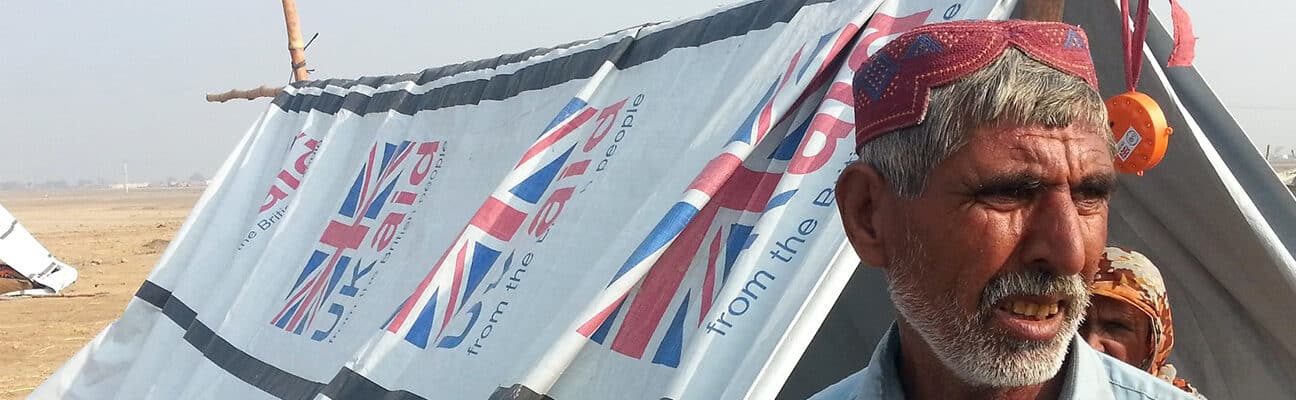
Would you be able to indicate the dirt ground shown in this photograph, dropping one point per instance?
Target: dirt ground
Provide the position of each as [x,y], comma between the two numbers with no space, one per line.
[113,239]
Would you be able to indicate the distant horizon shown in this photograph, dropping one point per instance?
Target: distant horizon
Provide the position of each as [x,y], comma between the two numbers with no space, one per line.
[80,184]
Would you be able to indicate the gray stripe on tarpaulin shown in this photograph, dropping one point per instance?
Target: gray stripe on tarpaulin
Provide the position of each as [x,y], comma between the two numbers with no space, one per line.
[428,75]
[498,87]
[10,230]
[241,365]
[624,54]
[518,392]
[347,384]
[260,374]
[153,294]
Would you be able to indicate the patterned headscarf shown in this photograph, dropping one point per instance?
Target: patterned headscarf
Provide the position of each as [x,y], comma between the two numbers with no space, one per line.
[1130,277]
[892,87]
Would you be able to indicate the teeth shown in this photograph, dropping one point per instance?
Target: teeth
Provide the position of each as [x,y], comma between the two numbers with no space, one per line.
[1019,307]
[1035,310]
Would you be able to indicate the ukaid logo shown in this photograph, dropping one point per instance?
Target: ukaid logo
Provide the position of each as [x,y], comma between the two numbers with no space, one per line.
[447,310]
[680,288]
[679,295]
[300,154]
[369,224]
[691,253]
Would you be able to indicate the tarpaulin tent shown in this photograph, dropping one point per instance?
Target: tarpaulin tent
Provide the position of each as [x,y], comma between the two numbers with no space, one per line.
[25,255]
[644,215]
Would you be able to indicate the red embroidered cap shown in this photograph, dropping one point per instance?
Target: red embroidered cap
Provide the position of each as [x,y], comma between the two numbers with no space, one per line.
[892,87]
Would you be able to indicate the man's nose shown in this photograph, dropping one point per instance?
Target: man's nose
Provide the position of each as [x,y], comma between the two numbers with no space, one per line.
[1054,238]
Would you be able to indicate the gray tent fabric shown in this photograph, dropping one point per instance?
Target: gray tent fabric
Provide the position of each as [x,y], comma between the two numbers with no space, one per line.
[845,340]
[1213,216]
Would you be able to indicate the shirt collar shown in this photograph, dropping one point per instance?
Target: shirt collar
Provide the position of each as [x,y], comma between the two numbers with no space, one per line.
[882,375]
[882,380]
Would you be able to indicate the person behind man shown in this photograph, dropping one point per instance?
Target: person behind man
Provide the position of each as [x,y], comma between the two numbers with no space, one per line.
[982,191]
[1129,317]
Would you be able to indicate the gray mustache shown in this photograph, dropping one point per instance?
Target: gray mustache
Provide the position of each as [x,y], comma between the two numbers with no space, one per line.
[1034,282]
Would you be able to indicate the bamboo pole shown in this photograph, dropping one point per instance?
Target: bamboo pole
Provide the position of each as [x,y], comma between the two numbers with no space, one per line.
[296,46]
[249,94]
[1043,10]
[296,52]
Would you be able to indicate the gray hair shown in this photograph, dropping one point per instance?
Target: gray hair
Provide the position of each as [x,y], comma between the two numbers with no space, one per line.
[1014,89]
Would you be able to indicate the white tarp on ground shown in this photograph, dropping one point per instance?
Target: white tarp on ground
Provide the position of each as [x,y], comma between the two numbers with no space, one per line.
[645,215]
[20,250]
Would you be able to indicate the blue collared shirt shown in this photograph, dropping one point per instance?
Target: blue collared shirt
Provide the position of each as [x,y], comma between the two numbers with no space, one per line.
[1089,375]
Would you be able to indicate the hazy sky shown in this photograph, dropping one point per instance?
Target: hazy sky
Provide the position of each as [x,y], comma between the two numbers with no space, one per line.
[88,85]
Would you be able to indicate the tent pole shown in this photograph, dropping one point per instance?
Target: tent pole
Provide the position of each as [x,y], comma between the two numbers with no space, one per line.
[296,46]
[296,52]
[1043,10]
[249,94]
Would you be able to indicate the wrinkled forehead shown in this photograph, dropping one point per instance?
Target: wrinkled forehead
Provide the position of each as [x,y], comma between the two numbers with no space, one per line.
[1071,153]
[1114,305]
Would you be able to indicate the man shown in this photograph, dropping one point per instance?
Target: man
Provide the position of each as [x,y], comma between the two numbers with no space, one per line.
[1129,318]
[982,190]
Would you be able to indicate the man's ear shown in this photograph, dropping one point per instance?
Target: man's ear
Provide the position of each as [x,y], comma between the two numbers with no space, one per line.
[860,191]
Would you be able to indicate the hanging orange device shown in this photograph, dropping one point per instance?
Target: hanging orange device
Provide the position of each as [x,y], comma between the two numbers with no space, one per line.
[1138,124]
[1141,131]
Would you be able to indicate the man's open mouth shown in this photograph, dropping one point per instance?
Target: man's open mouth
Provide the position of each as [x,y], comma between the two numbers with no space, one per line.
[1034,318]
[1031,310]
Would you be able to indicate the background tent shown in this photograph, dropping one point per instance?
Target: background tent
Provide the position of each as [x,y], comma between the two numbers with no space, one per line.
[20,250]
[643,215]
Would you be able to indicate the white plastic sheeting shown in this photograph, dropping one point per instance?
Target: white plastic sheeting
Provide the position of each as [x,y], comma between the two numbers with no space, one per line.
[22,252]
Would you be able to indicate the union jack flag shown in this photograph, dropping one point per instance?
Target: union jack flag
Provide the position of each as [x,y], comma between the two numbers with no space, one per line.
[369,194]
[718,212]
[457,277]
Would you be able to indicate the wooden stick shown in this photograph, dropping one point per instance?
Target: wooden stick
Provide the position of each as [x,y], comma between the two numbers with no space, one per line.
[1043,10]
[296,51]
[250,94]
[296,46]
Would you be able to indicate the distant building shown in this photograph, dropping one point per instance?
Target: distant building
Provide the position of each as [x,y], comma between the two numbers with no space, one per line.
[128,185]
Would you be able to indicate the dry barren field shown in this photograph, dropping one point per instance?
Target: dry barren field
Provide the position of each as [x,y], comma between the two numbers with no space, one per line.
[113,239]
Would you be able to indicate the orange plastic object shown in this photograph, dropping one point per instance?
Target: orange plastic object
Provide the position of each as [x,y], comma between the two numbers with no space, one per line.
[1141,131]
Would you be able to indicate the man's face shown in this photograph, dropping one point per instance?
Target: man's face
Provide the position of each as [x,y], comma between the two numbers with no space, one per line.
[991,263]
[1118,329]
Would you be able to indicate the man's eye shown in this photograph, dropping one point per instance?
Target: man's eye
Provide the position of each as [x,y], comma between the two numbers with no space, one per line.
[1004,197]
[1091,199]
[1090,204]
[1117,327]
[1008,195]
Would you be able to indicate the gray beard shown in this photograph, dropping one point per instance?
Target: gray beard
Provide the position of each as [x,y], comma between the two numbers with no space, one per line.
[977,352]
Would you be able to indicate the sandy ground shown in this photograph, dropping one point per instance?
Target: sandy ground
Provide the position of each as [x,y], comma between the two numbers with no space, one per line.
[113,239]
